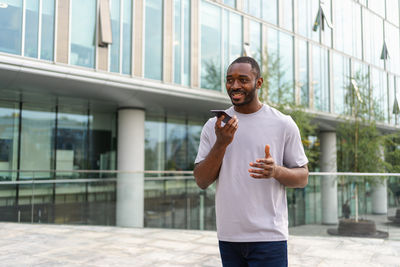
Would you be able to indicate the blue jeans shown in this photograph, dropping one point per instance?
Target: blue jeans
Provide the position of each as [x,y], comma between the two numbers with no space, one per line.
[254,254]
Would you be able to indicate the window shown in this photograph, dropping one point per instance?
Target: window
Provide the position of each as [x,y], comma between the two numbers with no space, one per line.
[210,21]
[9,122]
[287,14]
[126,36]
[255,41]
[378,6]
[182,42]
[232,37]
[270,11]
[372,38]
[115,29]
[379,96]
[37,137]
[153,42]
[392,43]
[11,26]
[231,3]
[320,82]
[341,73]
[392,11]
[307,12]
[347,32]
[31,28]
[47,32]
[392,94]
[121,25]
[83,33]
[280,67]
[303,73]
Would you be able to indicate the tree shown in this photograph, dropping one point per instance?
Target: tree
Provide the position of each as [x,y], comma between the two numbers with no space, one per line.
[360,142]
[278,92]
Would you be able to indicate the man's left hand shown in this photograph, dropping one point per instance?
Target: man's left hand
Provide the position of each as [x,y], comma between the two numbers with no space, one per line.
[266,167]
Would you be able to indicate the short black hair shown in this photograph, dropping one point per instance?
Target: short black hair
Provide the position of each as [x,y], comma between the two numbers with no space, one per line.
[254,65]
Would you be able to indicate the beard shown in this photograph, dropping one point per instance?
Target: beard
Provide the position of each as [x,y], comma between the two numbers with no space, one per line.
[249,96]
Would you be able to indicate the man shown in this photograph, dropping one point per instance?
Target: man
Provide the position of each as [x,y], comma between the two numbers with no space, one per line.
[253,157]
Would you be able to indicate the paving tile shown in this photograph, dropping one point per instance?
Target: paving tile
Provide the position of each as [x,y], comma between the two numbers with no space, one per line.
[71,245]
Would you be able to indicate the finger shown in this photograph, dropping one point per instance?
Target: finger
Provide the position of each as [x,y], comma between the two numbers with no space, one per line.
[256,171]
[234,126]
[219,121]
[267,155]
[257,176]
[266,161]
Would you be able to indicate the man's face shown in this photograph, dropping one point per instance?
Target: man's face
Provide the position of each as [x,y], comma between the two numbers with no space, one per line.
[241,84]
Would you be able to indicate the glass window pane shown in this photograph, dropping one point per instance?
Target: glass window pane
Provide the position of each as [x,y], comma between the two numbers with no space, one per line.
[176,155]
[270,11]
[286,84]
[83,32]
[127,37]
[378,6]
[115,29]
[379,99]
[72,139]
[280,67]
[255,41]
[47,33]
[287,14]
[194,131]
[177,41]
[155,143]
[37,140]
[392,11]
[348,27]
[392,92]
[393,44]
[320,82]
[231,3]
[255,8]
[9,123]
[11,27]
[307,12]
[31,28]
[102,140]
[303,73]
[153,42]
[326,34]
[186,42]
[210,46]
[341,72]
[233,40]
[372,38]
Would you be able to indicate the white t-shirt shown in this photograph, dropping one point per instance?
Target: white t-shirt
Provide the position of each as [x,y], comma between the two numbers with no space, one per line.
[249,209]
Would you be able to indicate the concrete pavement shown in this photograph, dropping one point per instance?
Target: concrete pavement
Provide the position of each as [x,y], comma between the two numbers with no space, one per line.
[67,245]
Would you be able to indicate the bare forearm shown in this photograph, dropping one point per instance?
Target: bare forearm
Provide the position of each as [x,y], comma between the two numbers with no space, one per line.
[207,171]
[294,177]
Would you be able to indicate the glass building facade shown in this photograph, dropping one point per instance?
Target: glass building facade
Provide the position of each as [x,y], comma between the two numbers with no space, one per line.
[62,88]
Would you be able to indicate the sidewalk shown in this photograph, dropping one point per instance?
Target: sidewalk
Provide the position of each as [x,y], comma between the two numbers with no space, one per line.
[66,245]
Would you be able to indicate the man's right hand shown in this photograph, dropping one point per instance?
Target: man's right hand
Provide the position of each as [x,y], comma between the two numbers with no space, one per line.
[225,133]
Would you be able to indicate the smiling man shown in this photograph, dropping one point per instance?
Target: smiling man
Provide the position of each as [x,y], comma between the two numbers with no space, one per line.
[252,158]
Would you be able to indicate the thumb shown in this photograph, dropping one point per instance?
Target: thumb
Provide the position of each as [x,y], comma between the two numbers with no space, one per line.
[267,155]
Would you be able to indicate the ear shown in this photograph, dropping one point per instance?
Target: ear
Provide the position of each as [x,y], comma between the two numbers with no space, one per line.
[259,82]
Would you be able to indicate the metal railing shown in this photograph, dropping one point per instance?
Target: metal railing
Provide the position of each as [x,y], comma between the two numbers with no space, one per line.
[173,200]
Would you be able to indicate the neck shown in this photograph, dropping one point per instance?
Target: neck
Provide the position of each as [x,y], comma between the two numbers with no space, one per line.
[252,107]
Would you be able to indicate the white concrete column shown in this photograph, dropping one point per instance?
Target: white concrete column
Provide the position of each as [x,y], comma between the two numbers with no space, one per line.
[329,183]
[130,187]
[379,192]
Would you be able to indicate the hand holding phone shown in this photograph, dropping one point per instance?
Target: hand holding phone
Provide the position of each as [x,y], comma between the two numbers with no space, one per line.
[218,113]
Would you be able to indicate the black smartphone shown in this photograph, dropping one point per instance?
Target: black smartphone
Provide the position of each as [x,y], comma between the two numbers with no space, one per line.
[219,113]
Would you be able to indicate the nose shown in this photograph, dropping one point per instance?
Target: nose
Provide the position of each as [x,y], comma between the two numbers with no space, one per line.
[236,84]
